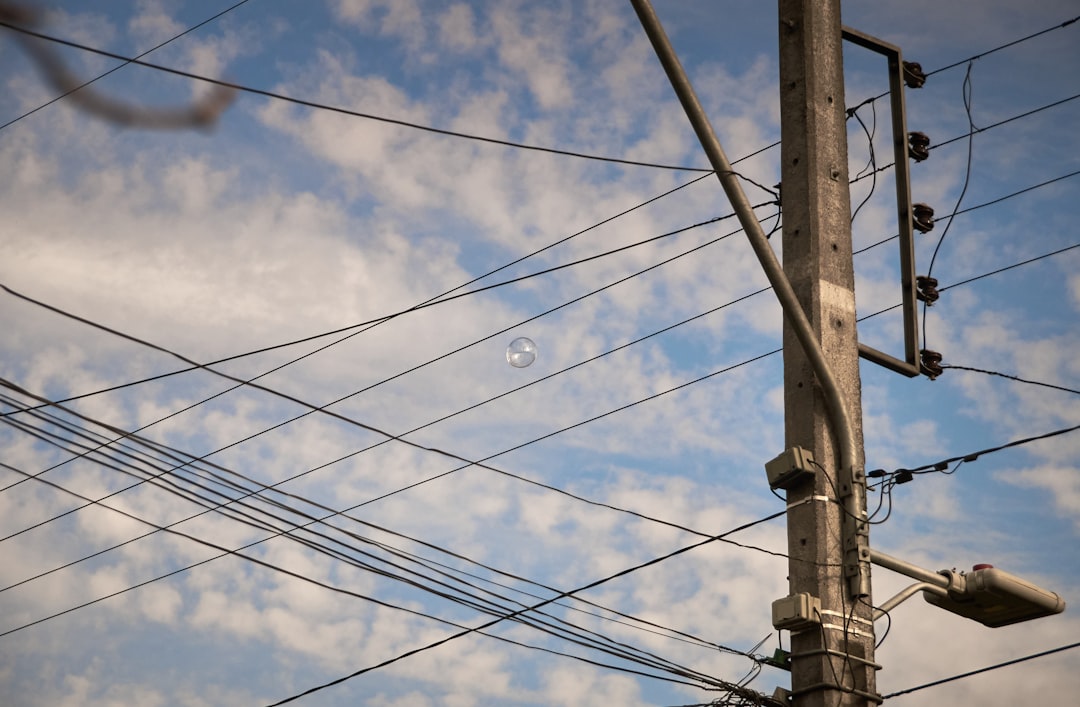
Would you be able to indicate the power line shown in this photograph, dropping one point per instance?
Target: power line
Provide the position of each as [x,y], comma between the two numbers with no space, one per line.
[311,408]
[574,636]
[345,111]
[591,585]
[198,540]
[573,633]
[982,670]
[991,126]
[998,48]
[1013,378]
[1009,267]
[446,296]
[217,506]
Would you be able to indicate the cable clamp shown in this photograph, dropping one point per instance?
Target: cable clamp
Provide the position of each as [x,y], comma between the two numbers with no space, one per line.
[809,499]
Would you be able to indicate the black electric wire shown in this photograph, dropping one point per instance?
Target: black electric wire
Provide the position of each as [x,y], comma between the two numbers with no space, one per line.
[153,49]
[658,663]
[998,48]
[311,408]
[976,207]
[999,374]
[590,585]
[966,90]
[345,515]
[871,163]
[972,456]
[443,297]
[446,296]
[335,554]
[344,111]
[1010,267]
[988,52]
[991,126]
[570,632]
[756,358]
[512,616]
[987,669]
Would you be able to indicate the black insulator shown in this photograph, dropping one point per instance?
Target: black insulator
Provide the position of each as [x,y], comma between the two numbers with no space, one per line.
[931,364]
[913,75]
[923,217]
[926,289]
[918,146]
[903,476]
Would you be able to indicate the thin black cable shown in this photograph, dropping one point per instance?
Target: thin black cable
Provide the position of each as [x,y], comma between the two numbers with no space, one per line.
[344,512]
[573,633]
[153,49]
[982,130]
[987,669]
[1009,267]
[1013,43]
[324,408]
[437,300]
[344,111]
[972,456]
[966,91]
[658,664]
[236,552]
[1006,121]
[1074,391]
[777,351]
[591,585]
[394,551]
[981,55]
[871,163]
[976,207]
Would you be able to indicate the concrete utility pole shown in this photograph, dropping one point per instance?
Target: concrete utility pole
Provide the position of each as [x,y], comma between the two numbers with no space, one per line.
[831,663]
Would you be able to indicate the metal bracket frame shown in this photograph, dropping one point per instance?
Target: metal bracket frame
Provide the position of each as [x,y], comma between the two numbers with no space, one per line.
[911,366]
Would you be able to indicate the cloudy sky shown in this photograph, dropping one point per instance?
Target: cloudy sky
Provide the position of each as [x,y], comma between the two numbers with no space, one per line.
[128,253]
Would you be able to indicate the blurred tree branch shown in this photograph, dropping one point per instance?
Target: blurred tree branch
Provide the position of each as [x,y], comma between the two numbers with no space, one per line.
[199,114]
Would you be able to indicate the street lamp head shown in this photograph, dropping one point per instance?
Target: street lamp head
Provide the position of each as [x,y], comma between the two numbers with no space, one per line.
[996,598]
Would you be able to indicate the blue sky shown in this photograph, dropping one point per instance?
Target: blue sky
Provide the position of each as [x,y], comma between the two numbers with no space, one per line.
[284,221]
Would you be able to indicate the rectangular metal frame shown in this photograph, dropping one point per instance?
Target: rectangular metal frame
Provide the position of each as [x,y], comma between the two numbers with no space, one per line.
[911,366]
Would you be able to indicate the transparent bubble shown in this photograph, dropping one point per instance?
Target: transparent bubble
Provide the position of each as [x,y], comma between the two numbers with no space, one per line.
[521,352]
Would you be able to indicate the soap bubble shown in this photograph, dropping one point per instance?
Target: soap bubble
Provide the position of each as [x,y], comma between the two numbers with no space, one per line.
[521,352]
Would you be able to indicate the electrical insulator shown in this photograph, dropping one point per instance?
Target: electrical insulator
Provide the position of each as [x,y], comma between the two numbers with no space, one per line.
[918,146]
[923,217]
[931,363]
[926,289]
[913,75]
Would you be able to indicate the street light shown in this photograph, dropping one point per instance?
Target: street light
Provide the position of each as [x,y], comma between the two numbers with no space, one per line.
[988,595]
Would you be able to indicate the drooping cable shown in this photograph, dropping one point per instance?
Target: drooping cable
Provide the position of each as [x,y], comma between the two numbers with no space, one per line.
[984,129]
[569,632]
[585,587]
[343,111]
[345,515]
[972,129]
[987,669]
[1011,377]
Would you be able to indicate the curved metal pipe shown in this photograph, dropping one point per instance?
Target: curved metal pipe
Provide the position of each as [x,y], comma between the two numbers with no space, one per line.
[839,416]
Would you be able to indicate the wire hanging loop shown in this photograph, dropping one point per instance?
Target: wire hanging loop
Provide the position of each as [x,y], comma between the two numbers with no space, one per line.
[201,114]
